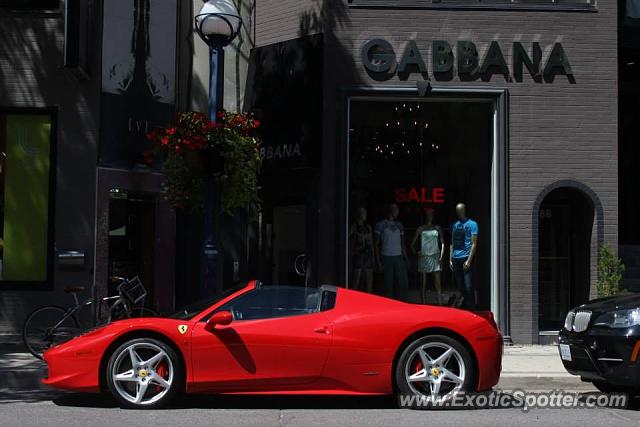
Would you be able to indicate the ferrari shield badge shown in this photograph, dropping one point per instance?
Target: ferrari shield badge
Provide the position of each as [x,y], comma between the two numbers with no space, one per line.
[182,329]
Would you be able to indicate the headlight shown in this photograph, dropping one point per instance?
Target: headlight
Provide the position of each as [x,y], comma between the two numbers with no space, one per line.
[619,318]
[568,321]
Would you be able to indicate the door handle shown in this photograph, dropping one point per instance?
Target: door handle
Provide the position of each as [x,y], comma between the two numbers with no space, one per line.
[322,330]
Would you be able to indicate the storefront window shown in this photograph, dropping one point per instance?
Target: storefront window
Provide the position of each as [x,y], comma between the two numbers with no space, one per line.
[30,4]
[632,13]
[25,200]
[425,158]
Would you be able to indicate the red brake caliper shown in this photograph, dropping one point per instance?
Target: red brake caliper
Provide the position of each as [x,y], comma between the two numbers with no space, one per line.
[161,370]
[418,367]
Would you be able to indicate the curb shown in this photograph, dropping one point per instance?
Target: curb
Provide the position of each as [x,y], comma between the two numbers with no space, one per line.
[20,371]
[536,375]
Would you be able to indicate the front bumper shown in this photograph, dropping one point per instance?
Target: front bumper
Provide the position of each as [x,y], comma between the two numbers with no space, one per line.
[72,370]
[602,354]
[75,364]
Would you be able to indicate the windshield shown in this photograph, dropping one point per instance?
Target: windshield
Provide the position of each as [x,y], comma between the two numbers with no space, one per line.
[192,309]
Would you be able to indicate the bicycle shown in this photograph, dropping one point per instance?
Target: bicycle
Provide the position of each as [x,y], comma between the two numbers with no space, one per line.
[51,324]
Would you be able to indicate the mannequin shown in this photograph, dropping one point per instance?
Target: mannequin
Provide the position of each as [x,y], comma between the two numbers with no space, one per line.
[430,254]
[361,237]
[391,254]
[464,244]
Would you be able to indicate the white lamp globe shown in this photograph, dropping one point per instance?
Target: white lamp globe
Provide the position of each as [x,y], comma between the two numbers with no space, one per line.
[218,18]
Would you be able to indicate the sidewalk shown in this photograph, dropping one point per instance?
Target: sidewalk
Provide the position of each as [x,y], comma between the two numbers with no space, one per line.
[532,361]
[530,367]
[537,368]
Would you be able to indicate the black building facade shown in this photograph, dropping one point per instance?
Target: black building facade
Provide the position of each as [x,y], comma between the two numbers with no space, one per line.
[508,107]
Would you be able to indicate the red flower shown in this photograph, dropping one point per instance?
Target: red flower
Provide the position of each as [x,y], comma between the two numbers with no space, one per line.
[164,140]
[171,131]
[256,124]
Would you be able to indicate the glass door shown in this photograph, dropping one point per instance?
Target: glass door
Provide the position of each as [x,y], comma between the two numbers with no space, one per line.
[554,265]
[132,237]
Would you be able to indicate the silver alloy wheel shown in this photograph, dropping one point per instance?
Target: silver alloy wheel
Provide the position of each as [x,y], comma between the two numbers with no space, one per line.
[435,370]
[136,379]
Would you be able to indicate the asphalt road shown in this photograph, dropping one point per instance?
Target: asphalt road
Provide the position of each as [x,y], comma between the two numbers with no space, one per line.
[70,410]
[23,402]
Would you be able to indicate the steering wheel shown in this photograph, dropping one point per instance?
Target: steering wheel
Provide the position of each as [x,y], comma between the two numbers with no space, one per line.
[300,265]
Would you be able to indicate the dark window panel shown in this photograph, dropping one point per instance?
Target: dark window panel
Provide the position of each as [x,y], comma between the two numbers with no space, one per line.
[30,4]
[551,4]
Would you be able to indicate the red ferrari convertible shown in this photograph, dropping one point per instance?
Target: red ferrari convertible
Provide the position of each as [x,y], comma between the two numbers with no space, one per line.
[284,339]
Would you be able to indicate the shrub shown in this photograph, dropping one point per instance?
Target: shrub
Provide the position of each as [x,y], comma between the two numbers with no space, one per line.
[610,272]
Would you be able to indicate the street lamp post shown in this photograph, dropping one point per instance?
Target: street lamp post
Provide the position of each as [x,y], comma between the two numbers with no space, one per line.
[217,24]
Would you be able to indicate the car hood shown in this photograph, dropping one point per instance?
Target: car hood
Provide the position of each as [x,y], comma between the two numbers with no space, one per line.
[618,302]
[169,327]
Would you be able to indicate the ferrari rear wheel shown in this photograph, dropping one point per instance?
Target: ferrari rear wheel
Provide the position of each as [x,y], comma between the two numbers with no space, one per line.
[144,373]
[434,369]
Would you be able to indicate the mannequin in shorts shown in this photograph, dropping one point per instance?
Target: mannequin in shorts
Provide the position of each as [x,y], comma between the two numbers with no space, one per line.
[430,254]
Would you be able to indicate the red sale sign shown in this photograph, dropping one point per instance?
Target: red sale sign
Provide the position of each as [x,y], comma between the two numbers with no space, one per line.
[420,195]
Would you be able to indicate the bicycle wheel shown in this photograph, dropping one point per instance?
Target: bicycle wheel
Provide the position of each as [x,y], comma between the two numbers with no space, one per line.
[118,311]
[47,326]
[121,310]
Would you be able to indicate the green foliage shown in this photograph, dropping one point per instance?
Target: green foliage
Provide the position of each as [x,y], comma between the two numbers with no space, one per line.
[239,180]
[184,186]
[610,272]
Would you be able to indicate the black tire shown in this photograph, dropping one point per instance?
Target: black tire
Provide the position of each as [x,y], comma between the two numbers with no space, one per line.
[411,361]
[126,390]
[606,387]
[37,332]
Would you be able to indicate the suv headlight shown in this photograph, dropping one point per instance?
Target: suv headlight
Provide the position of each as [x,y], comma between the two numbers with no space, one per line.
[619,318]
[568,321]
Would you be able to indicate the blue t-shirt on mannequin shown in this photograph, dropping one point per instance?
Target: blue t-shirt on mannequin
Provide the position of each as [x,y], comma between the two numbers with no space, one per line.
[461,232]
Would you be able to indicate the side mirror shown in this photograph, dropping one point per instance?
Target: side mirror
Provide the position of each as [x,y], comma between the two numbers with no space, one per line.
[219,318]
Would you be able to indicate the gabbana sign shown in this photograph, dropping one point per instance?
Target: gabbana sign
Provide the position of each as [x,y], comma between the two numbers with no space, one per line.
[381,61]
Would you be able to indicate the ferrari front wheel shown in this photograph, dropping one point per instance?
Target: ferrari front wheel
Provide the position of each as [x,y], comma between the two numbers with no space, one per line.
[144,373]
[432,370]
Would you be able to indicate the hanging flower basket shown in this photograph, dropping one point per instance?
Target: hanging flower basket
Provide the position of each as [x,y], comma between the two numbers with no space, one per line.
[193,149]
